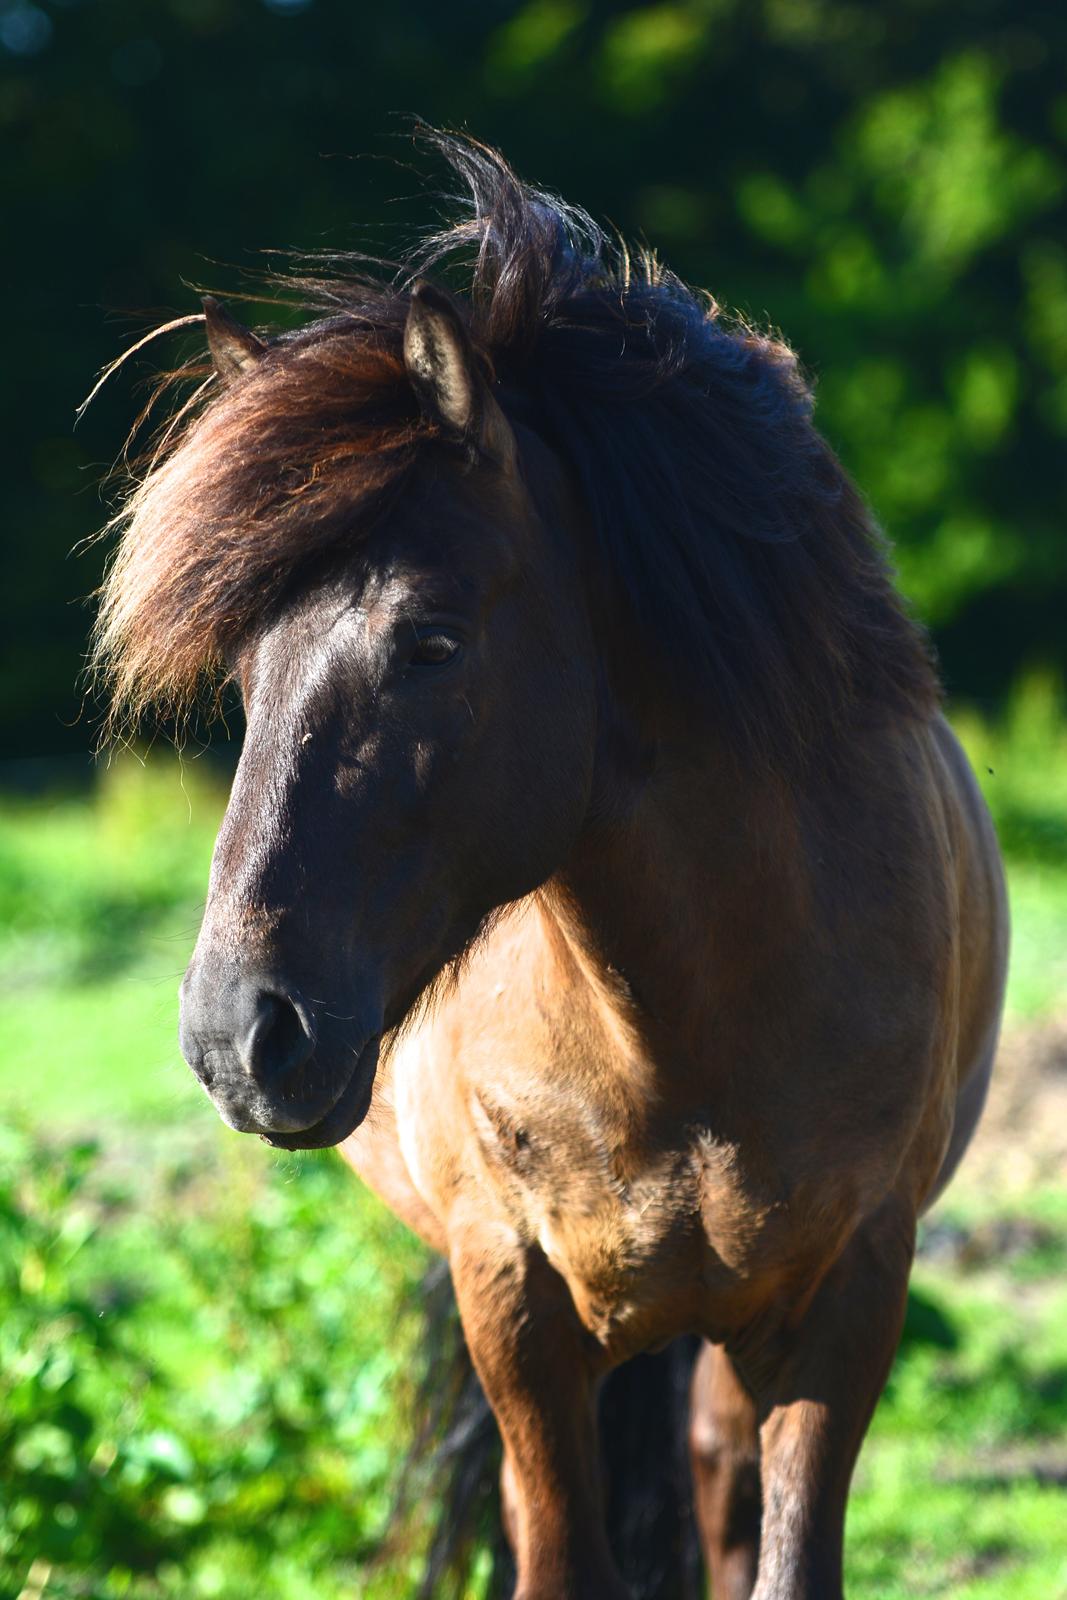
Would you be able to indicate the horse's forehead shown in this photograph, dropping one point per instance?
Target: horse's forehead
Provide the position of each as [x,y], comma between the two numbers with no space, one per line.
[480,518]
[378,586]
[446,553]
[440,553]
[294,664]
[333,634]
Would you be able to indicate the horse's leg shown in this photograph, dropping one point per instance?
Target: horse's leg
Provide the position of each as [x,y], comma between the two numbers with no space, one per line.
[817,1389]
[534,1359]
[724,1451]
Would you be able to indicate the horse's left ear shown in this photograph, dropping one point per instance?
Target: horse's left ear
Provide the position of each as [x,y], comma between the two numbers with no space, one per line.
[446,376]
[234,348]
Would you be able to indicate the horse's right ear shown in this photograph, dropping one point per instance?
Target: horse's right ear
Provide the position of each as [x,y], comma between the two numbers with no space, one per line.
[234,348]
[446,375]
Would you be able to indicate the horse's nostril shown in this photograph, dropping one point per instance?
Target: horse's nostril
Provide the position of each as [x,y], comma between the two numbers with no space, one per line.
[277,1044]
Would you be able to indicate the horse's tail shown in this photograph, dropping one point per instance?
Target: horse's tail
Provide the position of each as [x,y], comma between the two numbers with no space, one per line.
[449,1495]
[455,1468]
[644,1444]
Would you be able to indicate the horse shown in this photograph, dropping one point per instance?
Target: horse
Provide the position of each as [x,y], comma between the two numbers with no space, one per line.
[600,873]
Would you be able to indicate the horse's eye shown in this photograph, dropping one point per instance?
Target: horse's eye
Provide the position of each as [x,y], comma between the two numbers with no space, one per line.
[434,650]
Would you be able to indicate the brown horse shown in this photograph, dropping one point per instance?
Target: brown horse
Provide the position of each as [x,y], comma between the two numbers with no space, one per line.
[599,872]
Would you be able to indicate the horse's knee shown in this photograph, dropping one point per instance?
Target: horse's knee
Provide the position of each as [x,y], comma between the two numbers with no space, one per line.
[724,1452]
[722,1414]
[714,1446]
[725,1461]
[509,1509]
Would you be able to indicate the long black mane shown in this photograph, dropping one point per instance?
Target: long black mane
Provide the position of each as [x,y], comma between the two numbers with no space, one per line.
[741,547]
[732,543]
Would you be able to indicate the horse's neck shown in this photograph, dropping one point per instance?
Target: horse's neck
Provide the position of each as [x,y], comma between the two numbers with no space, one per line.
[686,898]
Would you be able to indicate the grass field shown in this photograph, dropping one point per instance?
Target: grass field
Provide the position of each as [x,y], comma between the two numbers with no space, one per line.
[205,1348]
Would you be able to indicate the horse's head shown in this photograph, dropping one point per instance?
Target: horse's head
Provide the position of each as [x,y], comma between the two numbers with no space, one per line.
[418,752]
[433,639]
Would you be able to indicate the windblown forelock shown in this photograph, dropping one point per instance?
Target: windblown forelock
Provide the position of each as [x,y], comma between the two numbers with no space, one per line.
[289,464]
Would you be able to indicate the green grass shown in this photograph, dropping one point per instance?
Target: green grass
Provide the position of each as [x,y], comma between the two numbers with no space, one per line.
[99,905]
[1021,762]
[205,1349]
[960,1489]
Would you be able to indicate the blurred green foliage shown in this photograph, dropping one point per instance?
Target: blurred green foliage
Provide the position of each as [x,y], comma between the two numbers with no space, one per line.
[884,182]
[1021,761]
[201,1364]
[82,887]
[100,899]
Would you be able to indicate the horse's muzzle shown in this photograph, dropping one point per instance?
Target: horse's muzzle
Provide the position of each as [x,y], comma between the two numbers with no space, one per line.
[254,1042]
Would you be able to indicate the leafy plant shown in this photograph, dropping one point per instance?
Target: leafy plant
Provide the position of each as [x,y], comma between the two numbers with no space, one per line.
[202,1377]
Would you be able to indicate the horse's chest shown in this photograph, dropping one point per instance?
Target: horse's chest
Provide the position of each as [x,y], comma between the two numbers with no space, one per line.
[542,1124]
[629,1260]
[621,1228]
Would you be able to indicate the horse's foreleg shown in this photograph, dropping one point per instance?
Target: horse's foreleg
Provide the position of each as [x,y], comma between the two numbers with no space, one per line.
[724,1451]
[816,1396]
[534,1360]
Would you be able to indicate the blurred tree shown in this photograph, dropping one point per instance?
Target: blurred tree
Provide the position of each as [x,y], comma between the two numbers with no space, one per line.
[885,183]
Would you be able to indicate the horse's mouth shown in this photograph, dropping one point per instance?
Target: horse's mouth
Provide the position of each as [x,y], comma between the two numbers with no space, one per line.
[346,1113]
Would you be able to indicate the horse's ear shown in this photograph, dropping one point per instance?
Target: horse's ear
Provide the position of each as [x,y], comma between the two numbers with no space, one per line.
[446,376]
[234,348]
[440,361]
